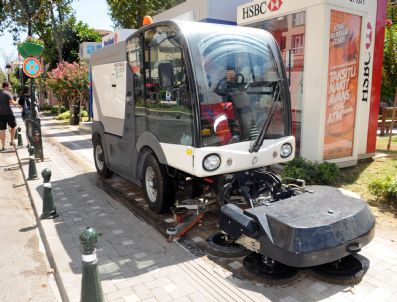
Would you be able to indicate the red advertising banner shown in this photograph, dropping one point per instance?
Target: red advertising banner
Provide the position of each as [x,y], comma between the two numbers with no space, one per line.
[343,67]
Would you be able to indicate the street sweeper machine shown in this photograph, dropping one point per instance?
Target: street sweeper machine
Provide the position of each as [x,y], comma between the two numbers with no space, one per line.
[206,106]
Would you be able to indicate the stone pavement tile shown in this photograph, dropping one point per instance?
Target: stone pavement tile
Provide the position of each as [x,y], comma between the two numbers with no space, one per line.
[289,299]
[142,291]
[120,294]
[131,298]
[108,287]
[150,300]
[335,289]
[182,299]
[197,297]
[319,286]
[182,291]
[160,294]
[158,283]
[292,293]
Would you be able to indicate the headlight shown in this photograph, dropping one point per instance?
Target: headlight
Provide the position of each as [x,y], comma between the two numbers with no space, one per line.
[285,150]
[211,162]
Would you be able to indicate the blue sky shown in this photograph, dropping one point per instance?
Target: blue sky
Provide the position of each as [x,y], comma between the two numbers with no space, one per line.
[93,12]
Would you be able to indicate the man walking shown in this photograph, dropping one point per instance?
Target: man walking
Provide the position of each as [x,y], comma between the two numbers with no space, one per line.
[6,114]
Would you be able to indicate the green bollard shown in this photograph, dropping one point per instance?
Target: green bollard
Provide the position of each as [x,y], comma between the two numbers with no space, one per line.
[20,142]
[49,210]
[32,164]
[91,289]
[16,132]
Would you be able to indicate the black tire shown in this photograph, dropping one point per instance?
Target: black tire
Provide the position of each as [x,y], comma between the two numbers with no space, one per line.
[99,159]
[220,245]
[159,188]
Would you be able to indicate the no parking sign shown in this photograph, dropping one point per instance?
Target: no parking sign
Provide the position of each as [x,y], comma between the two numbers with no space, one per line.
[32,67]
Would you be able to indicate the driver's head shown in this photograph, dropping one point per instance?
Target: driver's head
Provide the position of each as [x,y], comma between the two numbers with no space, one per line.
[230,75]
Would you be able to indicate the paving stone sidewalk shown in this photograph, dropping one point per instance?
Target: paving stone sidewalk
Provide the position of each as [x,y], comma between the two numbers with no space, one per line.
[136,263]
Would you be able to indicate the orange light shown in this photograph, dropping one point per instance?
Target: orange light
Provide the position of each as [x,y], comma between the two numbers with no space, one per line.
[147,20]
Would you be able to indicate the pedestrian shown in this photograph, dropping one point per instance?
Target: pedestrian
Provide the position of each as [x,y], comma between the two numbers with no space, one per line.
[6,114]
[24,102]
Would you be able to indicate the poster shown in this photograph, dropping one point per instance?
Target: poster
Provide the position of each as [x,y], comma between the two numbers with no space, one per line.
[343,71]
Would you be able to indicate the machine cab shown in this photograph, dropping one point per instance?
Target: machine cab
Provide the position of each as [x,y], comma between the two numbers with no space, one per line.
[215,97]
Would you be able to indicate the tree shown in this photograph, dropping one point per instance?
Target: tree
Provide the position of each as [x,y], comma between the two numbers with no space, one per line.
[69,80]
[76,33]
[129,13]
[21,14]
[44,18]
[389,72]
[3,76]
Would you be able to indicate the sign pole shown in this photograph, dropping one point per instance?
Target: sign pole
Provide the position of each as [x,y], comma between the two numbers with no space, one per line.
[32,68]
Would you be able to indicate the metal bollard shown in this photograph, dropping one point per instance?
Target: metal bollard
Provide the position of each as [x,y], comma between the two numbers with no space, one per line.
[91,289]
[32,164]
[16,132]
[20,142]
[49,210]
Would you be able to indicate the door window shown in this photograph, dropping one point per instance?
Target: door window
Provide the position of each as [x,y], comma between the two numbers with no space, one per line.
[165,109]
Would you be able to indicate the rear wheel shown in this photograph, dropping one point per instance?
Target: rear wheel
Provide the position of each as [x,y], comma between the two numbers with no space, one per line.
[158,186]
[99,159]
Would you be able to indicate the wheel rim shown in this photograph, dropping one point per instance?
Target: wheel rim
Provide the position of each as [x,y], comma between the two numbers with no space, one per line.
[150,184]
[99,157]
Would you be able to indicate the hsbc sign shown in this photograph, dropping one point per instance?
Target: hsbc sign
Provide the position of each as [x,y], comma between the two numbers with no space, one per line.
[261,8]
[367,63]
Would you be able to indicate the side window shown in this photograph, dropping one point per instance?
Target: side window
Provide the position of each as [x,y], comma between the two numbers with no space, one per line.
[135,63]
[167,100]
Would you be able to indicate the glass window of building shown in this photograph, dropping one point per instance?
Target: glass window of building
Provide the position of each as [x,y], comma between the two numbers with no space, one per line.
[289,32]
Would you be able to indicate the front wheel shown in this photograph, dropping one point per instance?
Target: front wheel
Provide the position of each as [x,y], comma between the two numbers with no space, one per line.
[158,187]
[99,159]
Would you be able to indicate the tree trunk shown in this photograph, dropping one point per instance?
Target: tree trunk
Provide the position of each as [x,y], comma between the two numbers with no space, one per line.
[57,34]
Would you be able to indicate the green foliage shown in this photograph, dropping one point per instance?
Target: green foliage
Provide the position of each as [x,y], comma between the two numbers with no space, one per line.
[389,71]
[74,34]
[385,188]
[55,109]
[312,172]
[66,115]
[34,40]
[63,116]
[129,14]
[3,76]
[52,21]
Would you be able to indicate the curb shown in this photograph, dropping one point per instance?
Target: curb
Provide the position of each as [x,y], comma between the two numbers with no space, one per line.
[43,237]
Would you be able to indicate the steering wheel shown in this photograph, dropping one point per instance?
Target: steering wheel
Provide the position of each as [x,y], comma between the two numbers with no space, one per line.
[223,87]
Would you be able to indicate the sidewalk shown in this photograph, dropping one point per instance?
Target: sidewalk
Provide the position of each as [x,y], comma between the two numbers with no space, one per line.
[25,271]
[136,263]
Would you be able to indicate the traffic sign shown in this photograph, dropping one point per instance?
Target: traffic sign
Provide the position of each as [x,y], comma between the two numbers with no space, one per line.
[32,67]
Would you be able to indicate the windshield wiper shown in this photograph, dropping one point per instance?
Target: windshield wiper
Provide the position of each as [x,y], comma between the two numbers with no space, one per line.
[257,143]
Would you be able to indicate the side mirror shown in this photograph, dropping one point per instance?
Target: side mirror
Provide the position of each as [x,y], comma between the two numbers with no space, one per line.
[166,74]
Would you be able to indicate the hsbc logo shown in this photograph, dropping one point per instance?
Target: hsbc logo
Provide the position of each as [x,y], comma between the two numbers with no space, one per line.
[274,5]
[261,8]
[369,36]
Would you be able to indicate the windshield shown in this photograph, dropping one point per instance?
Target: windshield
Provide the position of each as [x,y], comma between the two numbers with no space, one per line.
[238,84]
